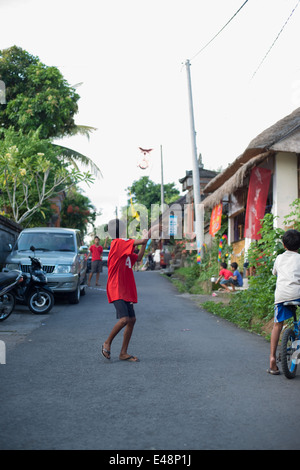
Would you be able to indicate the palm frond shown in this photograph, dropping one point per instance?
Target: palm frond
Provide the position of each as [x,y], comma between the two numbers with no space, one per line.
[82,130]
[73,157]
[77,85]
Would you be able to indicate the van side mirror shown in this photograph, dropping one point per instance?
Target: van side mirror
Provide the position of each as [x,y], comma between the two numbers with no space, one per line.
[9,247]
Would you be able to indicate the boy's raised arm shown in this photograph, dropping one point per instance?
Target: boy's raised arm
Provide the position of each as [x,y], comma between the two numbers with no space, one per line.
[153,231]
[141,252]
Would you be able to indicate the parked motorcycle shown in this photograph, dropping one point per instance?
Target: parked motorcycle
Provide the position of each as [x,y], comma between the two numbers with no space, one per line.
[8,282]
[33,290]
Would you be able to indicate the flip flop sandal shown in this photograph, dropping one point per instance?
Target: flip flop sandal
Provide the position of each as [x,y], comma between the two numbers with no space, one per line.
[105,351]
[131,359]
[273,372]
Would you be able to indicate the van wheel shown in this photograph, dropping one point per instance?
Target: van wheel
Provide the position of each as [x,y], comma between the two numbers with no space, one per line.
[74,297]
[82,290]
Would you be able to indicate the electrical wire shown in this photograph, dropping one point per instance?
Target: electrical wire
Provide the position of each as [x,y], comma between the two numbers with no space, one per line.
[207,44]
[272,45]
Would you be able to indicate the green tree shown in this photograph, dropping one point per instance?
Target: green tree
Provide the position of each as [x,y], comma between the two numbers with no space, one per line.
[31,172]
[38,97]
[142,194]
[78,211]
[146,192]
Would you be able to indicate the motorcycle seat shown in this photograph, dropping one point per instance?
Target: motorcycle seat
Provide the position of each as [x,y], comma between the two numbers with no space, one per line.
[7,278]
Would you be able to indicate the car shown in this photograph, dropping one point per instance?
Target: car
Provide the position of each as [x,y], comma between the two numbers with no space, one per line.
[61,253]
[105,257]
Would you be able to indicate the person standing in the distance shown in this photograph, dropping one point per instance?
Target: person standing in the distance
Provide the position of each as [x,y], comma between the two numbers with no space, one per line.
[121,287]
[96,251]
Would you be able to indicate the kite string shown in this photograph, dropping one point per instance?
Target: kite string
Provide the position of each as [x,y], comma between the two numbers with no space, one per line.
[204,47]
[272,45]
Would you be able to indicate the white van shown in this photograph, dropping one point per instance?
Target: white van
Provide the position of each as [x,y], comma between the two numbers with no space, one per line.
[61,253]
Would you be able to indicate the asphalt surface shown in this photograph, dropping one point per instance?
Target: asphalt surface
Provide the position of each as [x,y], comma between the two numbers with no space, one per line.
[201,382]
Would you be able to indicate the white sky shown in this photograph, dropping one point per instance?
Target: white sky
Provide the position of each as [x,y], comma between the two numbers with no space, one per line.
[129,54]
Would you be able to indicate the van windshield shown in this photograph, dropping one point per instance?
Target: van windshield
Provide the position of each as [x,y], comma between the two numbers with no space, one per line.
[46,241]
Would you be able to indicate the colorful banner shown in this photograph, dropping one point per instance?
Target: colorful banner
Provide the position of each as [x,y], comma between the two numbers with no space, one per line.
[224,237]
[256,201]
[201,253]
[215,219]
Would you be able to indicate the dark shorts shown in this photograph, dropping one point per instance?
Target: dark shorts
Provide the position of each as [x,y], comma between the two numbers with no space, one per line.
[124,309]
[96,266]
[230,281]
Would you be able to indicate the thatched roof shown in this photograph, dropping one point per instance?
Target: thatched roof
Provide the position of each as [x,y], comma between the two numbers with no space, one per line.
[282,136]
[234,182]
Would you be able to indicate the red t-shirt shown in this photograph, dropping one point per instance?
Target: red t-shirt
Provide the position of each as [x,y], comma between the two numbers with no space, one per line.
[225,273]
[96,252]
[120,281]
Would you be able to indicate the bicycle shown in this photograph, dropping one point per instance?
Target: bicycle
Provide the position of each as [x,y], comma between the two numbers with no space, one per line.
[290,344]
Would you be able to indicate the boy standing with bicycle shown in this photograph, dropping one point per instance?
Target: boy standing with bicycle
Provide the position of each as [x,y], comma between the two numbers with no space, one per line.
[287,269]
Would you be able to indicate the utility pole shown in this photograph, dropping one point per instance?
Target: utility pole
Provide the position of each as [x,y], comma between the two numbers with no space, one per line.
[162,198]
[199,214]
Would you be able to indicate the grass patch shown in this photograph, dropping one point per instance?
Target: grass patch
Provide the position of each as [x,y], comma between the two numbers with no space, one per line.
[251,309]
[241,318]
[187,280]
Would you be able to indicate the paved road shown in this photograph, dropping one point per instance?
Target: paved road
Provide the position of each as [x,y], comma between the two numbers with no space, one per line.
[201,382]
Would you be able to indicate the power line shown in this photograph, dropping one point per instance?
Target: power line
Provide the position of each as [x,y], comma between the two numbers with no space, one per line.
[204,47]
[272,45]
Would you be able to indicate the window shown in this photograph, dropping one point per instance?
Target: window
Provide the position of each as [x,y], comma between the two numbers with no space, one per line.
[46,241]
[238,226]
[237,213]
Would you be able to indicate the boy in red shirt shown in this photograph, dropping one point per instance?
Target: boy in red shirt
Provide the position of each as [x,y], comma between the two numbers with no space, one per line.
[121,288]
[223,274]
[96,251]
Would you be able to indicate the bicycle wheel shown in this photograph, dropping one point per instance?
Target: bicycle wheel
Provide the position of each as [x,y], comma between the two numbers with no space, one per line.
[288,362]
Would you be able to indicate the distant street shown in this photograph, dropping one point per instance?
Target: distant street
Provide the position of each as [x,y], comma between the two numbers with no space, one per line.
[201,383]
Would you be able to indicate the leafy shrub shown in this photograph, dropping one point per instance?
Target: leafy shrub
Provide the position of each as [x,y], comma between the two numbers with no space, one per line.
[257,302]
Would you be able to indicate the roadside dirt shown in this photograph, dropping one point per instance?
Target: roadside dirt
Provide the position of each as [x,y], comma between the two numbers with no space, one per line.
[224,297]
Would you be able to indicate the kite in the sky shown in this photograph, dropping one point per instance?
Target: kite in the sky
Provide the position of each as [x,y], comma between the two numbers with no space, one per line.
[145,151]
[144,163]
